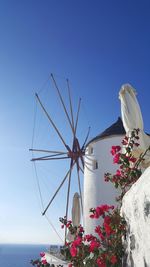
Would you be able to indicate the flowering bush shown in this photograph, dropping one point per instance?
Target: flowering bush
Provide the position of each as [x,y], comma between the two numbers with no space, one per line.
[129,168]
[105,249]
[40,262]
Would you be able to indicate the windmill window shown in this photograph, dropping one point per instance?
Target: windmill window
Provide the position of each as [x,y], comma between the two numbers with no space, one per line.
[90,150]
[95,165]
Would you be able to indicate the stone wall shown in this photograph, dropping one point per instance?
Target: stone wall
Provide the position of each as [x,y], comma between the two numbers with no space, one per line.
[136,211]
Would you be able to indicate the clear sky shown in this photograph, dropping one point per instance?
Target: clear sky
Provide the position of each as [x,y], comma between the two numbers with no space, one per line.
[98,45]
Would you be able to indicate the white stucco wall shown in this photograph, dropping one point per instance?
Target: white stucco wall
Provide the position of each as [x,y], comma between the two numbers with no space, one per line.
[96,190]
[136,211]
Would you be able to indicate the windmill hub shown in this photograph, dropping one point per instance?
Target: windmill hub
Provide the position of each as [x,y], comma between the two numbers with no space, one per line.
[75,154]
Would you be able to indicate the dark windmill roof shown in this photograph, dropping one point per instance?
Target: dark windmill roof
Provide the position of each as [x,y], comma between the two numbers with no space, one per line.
[115,129]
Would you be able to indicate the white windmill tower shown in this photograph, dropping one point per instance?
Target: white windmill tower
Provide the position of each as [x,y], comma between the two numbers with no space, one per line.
[98,161]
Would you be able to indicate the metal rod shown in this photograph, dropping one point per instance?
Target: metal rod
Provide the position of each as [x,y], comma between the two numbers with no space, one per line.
[51,121]
[57,190]
[62,102]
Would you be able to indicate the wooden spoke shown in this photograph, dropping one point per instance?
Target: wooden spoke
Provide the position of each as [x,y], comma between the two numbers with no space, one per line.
[48,158]
[81,152]
[51,121]
[58,189]
[68,194]
[77,115]
[86,138]
[79,184]
[70,101]
[81,169]
[62,102]
[46,151]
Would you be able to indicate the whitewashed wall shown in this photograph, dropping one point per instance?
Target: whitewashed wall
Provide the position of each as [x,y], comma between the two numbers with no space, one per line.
[136,211]
[96,190]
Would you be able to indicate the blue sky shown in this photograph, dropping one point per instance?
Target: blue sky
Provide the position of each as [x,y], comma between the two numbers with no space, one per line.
[98,45]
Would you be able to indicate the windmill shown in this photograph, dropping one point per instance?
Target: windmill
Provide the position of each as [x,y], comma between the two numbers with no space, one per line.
[75,152]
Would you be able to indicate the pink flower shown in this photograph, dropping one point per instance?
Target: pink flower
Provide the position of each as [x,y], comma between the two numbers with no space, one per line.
[70,265]
[42,254]
[93,245]
[73,251]
[108,229]
[77,241]
[107,219]
[118,173]
[115,149]
[68,223]
[125,141]
[44,261]
[89,238]
[106,177]
[99,232]
[101,263]
[132,159]
[100,211]
[116,158]
[81,230]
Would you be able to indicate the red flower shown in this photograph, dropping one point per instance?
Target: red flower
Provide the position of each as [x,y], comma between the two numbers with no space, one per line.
[70,265]
[113,259]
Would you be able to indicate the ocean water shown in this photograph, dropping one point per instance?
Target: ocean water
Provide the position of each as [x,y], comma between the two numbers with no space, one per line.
[19,255]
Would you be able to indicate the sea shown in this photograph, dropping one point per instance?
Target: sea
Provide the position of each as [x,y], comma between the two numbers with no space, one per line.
[12,255]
